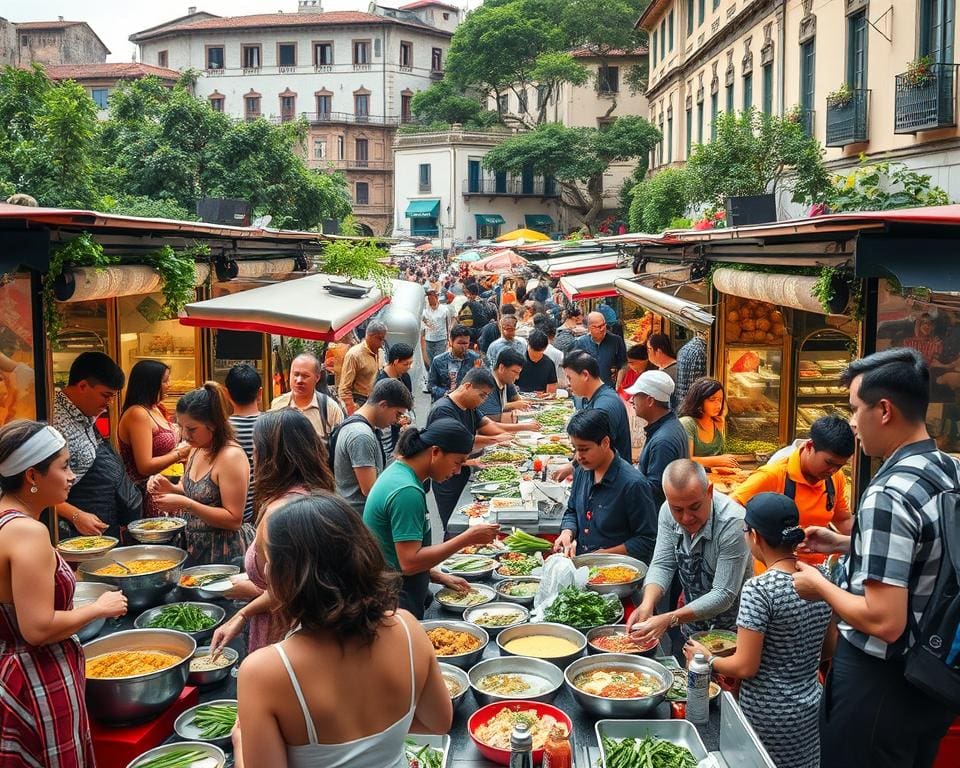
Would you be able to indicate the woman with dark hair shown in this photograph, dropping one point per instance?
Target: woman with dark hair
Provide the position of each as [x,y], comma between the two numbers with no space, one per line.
[43,717]
[148,442]
[213,489]
[290,461]
[702,416]
[380,678]
[396,510]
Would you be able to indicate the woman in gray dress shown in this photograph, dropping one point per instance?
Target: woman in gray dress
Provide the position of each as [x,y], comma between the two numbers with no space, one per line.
[213,490]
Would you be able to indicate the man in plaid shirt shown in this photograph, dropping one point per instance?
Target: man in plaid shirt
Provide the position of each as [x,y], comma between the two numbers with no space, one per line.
[870,715]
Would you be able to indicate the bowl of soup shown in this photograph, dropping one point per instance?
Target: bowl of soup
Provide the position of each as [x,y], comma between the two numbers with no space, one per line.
[618,684]
[556,643]
[515,677]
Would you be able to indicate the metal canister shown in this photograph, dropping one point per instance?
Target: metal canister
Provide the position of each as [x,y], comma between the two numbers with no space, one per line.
[521,746]
[698,689]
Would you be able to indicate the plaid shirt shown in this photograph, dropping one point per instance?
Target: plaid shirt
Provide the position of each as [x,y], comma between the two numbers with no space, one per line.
[896,535]
[691,365]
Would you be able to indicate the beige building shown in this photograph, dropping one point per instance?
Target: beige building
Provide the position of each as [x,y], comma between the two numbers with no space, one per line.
[100,80]
[58,42]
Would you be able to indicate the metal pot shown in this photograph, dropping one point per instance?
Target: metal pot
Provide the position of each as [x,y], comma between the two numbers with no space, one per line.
[623,590]
[215,612]
[551,676]
[142,590]
[462,660]
[125,700]
[607,707]
[212,676]
[146,536]
[84,594]
[544,628]
[460,676]
[502,585]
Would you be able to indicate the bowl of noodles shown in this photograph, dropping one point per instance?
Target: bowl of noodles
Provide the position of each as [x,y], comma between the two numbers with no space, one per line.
[134,675]
[490,727]
[153,570]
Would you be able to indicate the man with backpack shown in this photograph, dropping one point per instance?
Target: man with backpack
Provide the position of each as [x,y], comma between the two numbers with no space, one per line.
[472,313]
[356,445]
[307,396]
[874,714]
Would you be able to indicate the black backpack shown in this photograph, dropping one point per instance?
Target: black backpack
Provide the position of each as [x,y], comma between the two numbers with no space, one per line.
[335,434]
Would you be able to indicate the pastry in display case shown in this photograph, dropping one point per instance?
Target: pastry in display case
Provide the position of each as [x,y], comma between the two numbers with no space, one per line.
[752,385]
[822,357]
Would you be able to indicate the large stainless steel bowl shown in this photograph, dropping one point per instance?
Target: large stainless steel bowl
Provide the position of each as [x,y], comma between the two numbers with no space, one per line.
[546,676]
[462,660]
[510,609]
[215,612]
[607,707]
[616,629]
[142,590]
[488,596]
[500,586]
[544,628]
[146,536]
[460,676]
[211,751]
[84,594]
[620,590]
[125,700]
[195,593]
[184,727]
[211,676]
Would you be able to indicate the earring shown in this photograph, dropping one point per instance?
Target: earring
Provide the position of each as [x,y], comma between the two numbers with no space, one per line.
[34,489]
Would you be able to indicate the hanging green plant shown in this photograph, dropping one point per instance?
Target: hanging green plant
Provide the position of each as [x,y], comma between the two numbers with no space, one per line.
[360,259]
[840,97]
[82,251]
[178,273]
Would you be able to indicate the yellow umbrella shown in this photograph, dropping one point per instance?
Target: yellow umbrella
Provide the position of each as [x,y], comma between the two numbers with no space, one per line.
[522,234]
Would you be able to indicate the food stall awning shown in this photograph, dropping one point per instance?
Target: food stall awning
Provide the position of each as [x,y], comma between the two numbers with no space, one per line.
[883,256]
[573,265]
[538,221]
[489,219]
[423,209]
[682,312]
[593,285]
[526,235]
[304,308]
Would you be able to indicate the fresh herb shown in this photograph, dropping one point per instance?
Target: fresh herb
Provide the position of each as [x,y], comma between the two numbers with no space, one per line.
[582,608]
[649,752]
[422,755]
[215,721]
[183,617]
[499,475]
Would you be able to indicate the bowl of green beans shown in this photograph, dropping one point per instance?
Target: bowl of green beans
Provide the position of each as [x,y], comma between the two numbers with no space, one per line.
[211,722]
[195,619]
[183,754]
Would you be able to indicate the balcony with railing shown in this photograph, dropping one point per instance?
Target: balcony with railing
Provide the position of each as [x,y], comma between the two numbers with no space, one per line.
[925,99]
[351,117]
[510,188]
[359,164]
[847,118]
[366,209]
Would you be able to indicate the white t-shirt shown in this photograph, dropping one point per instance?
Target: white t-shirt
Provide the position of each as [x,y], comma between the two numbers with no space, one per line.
[435,322]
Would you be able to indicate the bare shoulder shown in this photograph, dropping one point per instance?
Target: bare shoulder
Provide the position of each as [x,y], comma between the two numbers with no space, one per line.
[263,665]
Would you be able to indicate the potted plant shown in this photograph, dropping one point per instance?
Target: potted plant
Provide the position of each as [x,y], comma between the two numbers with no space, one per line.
[919,72]
[840,97]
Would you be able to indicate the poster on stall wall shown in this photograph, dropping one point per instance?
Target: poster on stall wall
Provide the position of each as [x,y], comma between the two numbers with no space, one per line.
[934,331]
[17,391]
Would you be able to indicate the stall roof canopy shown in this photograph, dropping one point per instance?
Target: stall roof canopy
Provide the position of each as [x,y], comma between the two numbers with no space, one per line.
[300,308]
[534,220]
[680,311]
[423,209]
[489,218]
[593,285]
[572,265]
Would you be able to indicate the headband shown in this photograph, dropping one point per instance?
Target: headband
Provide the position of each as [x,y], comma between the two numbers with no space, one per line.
[35,449]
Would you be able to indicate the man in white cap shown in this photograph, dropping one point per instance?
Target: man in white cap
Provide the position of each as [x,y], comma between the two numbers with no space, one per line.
[666,439]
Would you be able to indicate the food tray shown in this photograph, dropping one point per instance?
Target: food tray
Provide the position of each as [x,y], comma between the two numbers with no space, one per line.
[680,732]
[186,730]
[437,742]
[82,555]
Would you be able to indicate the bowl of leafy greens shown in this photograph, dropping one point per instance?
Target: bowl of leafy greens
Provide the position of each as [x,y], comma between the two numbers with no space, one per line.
[584,609]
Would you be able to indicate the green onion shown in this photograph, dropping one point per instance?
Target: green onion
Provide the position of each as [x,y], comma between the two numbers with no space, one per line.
[216,720]
[178,758]
[521,541]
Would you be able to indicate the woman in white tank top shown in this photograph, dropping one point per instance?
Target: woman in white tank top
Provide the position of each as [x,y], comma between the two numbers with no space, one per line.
[356,675]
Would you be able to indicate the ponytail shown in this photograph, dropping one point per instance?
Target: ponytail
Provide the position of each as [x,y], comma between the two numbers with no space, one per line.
[410,443]
[208,404]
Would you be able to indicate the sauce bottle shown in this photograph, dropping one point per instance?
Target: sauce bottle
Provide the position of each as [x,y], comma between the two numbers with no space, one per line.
[557,752]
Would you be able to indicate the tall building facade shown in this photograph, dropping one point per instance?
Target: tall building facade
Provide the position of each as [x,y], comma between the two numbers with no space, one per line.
[352,75]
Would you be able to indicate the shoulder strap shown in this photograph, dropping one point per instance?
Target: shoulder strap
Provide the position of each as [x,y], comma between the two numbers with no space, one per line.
[322,401]
[789,487]
[790,490]
[308,720]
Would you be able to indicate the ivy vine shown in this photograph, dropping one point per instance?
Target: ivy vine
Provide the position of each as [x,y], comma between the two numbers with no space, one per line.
[178,273]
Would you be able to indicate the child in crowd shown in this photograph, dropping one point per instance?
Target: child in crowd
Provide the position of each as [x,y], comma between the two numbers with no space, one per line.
[780,640]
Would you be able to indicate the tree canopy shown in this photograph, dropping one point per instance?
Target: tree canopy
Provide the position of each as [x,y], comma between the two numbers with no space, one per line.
[159,152]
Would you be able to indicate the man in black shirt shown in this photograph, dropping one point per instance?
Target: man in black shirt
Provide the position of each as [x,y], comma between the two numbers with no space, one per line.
[539,372]
[473,313]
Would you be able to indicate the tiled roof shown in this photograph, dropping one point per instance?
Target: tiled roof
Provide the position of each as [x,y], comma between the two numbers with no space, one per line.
[28,25]
[129,70]
[587,53]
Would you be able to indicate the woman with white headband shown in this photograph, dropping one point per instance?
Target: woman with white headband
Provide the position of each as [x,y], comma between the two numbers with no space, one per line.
[43,717]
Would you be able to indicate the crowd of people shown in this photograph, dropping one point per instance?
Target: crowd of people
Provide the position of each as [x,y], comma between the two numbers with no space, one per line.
[323,501]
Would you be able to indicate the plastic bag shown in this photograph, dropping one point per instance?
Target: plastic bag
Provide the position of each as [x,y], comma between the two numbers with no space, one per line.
[558,572]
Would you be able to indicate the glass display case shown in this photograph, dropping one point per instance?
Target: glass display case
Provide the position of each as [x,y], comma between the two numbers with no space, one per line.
[17,376]
[821,358]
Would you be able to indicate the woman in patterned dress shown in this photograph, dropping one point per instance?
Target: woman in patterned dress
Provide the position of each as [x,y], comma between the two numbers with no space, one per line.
[213,489]
[780,640]
[43,716]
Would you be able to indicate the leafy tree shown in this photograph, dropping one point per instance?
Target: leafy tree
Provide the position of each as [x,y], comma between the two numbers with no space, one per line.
[444,103]
[880,187]
[576,157]
[755,153]
[660,200]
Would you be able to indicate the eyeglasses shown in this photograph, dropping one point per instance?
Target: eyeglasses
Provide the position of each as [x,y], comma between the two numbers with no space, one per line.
[747,529]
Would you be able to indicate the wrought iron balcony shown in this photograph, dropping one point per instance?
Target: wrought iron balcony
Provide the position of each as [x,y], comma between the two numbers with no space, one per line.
[926,101]
[511,188]
[847,118]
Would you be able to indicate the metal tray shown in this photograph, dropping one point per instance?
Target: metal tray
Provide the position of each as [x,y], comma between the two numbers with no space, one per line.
[437,742]
[679,732]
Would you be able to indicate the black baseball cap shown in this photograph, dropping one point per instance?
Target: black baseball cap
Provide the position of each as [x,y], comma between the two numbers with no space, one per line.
[771,514]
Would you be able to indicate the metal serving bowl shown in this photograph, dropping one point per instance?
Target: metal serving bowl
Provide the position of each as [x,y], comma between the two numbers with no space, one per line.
[210,750]
[502,585]
[145,536]
[544,628]
[81,555]
[125,700]
[184,728]
[487,592]
[481,575]
[549,674]
[201,593]
[606,707]
[460,676]
[615,629]
[462,660]
[215,612]
[142,590]
[502,608]
[209,677]
[620,590]
[84,594]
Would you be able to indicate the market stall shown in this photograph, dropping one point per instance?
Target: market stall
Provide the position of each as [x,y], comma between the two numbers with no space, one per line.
[588,286]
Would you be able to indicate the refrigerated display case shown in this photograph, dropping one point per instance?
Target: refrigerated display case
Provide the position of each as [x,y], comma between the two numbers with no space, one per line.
[821,358]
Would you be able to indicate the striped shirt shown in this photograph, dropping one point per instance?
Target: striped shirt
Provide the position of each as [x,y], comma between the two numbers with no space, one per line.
[896,534]
[243,433]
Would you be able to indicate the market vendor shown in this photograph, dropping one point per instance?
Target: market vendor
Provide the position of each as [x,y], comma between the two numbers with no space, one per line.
[700,538]
[611,509]
[812,475]
[396,510]
[702,416]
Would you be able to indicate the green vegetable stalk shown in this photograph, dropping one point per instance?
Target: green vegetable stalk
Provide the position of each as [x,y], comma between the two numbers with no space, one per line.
[216,720]
[178,758]
[649,752]
[521,541]
[183,617]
